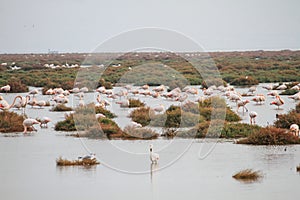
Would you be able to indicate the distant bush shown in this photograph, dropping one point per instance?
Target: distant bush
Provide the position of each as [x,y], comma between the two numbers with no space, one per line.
[271,136]
[245,81]
[289,92]
[286,120]
[16,86]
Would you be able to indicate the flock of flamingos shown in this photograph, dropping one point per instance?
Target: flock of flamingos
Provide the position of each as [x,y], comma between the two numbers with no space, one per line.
[60,96]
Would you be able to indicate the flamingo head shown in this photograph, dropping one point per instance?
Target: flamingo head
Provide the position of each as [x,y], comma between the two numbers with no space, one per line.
[151,147]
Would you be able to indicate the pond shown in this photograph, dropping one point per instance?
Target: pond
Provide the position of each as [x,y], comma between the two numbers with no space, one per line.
[188,168]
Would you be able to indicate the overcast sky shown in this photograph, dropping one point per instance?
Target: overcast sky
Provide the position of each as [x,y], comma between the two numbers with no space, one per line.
[80,25]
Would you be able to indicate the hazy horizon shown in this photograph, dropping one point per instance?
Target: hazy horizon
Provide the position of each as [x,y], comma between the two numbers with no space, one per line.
[77,26]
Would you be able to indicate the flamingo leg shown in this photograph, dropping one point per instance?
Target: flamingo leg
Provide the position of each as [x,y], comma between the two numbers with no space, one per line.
[25,129]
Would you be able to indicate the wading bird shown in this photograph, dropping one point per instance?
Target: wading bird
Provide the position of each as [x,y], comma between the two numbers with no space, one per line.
[242,104]
[44,122]
[28,123]
[154,157]
[252,116]
[278,102]
[5,106]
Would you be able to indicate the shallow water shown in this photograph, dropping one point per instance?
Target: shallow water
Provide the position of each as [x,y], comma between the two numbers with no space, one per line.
[28,169]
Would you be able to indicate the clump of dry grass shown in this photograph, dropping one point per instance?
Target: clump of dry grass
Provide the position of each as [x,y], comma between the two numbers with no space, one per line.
[270,136]
[64,162]
[61,108]
[11,122]
[139,133]
[133,103]
[248,175]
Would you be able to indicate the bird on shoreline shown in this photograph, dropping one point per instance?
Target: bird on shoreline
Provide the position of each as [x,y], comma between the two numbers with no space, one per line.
[154,157]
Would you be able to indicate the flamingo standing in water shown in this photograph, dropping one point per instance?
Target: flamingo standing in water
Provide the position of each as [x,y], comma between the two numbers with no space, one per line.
[154,157]
[278,101]
[22,103]
[33,92]
[252,116]
[28,123]
[259,98]
[5,106]
[242,104]
[44,122]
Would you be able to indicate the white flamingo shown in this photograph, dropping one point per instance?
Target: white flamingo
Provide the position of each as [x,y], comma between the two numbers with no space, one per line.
[136,125]
[99,115]
[278,102]
[252,116]
[5,106]
[242,104]
[27,123]
[44,122]
[259,98]
[5,88]
[294,128]
[154,157]
[40,103]
[160,108]
[33,92]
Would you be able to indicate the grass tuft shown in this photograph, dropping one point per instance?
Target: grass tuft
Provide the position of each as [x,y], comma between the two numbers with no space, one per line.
[248,175]
[61,108]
